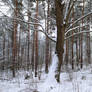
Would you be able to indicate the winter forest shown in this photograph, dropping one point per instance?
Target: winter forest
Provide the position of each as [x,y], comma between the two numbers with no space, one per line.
[45,45]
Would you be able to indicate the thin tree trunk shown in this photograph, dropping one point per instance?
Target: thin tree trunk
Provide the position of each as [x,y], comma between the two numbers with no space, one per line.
[88,45]
[32,59]
[19,48]
[36,41]
[77,51]
[66,56]
[28,56]
[82,38]
[72,41]
[8,49]
[79,54]
[14,41]
[3,50]
[47,42]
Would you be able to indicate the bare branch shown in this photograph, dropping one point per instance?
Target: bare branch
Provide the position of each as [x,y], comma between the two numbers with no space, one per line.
[43,31]
[69,10]
[74,28]
[47,35]
[77,34]
[86,15]
[68,14]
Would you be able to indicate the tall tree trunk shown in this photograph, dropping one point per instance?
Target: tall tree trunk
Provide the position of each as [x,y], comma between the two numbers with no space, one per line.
[14,40]
[8,52]
[47,41]
[60,37]
[19,48]
[28,55]
[32,59]
[72,41]
[3,50]
[82,37]
[79,54]
[88,43]
[36,41]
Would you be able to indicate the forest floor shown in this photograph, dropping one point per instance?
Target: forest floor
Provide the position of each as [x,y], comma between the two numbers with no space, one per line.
[79,81]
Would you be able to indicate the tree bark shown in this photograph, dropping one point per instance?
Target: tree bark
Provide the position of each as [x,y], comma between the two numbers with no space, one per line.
[14,40]
[47,41]
[28,54]
[60,37]
[36,41]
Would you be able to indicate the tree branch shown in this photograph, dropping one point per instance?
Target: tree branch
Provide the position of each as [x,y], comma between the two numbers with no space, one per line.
[75,28]
[86,15]
[77,34]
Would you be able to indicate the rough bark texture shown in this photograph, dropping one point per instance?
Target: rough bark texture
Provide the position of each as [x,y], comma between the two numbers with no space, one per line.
[47,42]
[36,41]
[60,37]
[14,40]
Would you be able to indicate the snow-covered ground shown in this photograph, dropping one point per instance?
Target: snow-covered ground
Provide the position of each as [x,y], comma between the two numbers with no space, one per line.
[71,81]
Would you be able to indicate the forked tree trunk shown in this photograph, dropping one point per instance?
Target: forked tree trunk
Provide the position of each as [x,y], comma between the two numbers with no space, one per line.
[60,37]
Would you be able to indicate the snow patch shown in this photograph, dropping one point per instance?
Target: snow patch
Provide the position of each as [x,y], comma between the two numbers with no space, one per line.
[50,82]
